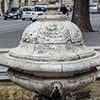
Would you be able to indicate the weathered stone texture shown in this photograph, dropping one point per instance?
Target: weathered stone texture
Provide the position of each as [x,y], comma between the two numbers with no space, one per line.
[52,56]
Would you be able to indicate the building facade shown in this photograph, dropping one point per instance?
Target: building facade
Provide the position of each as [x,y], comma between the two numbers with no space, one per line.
[59,1]
[67,1]
[6,4]
[94,1]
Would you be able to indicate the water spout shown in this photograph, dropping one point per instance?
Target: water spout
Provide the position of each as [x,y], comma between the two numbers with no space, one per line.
[56,94]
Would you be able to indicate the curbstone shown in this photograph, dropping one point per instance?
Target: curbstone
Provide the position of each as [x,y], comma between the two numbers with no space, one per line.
[4,50]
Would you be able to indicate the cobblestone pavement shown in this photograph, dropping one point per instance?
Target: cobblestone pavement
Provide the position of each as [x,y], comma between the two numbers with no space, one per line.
[11,91]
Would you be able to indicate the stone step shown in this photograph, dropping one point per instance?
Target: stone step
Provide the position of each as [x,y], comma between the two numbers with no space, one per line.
[98,75]
[3,73]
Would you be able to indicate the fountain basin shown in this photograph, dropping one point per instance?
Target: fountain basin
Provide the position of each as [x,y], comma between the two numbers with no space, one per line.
[46,86]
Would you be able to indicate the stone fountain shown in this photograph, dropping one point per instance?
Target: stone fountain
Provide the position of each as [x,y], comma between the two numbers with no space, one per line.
[51,58]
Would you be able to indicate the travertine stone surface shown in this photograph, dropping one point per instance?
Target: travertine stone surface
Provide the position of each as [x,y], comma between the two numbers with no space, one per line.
[52,41]
[51,69]
[46,86]
[52,56]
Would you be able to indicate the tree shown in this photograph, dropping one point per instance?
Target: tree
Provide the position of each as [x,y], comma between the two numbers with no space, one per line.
[81,15]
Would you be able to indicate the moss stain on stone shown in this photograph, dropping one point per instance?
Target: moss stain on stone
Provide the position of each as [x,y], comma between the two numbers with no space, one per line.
[11,91]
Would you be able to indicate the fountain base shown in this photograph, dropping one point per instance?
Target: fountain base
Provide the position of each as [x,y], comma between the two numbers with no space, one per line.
[51,87]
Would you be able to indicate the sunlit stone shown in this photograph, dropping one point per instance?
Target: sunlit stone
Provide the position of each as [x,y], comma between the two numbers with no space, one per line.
[52,57]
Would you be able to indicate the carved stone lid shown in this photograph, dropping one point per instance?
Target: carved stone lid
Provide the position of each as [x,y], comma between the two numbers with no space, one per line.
[52,41]
[52,38]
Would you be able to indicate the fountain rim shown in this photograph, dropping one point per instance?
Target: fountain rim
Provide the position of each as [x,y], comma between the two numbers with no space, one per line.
[77,66]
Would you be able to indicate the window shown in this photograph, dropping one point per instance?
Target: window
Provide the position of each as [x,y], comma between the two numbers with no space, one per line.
[13,9]
[19,3]
[26,2]
[28,9]
[93,5]
[38,9]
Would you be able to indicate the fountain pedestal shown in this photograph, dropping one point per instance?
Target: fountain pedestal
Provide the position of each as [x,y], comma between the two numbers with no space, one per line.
[51,58]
